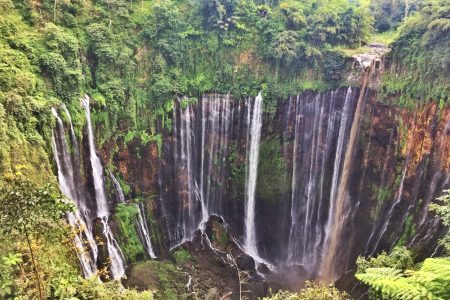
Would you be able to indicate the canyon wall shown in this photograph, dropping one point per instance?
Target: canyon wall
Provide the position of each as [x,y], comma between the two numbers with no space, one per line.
[400,163]
[339,175]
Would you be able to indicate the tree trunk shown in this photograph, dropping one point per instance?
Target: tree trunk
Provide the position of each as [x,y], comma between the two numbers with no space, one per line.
[35,268]
[54,12]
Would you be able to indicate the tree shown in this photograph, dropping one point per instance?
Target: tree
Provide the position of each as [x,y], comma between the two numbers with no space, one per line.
[28,210]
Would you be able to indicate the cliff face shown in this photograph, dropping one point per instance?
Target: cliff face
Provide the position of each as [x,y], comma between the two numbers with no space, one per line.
[339,175]
[399,165]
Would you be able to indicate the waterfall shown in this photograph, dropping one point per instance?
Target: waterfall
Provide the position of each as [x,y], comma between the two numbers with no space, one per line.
[308,164]
[339,209]
[397,201]
[144,231]
[141,222]
[386,221]
[254,124]
[97,169]
[216,127]
[321,126]
[67,186]
[117,264]
[201,141]
[117,188]
[201,149]
[188,219]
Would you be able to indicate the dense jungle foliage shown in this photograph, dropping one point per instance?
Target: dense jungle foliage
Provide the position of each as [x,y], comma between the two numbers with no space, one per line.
[135,57]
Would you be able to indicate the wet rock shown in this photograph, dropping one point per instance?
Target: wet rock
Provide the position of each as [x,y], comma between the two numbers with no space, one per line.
[217,260]
[245,262]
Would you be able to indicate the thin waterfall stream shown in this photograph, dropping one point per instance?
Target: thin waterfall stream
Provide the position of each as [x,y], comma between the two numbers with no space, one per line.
[141,222]
[117,263]
[66,179]
[254,125]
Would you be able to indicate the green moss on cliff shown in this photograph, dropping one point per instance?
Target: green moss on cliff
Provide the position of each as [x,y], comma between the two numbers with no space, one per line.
[162,276]
[126,216]
[420,57]
[271,171]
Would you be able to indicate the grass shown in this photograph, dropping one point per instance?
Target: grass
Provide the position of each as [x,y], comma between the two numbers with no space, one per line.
[385,38]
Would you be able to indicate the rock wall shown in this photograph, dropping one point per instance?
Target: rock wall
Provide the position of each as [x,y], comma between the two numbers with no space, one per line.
[401,163]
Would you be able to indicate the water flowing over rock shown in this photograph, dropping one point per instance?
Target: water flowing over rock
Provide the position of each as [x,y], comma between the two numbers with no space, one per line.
[117,263]
[201,134]
[144,232]
[340,153]
[97,169]
[322,126]
[339,210]
[328,177]
[254,124]
[69,186]
[141,222]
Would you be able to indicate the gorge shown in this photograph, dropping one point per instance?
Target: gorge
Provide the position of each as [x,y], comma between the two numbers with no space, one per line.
[317,145]
[226,149]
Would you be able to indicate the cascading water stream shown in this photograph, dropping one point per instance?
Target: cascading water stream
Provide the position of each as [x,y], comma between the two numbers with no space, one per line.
[390,213]
[119,192]
[308,163]
[188,219]
[117,263]
[321,127]
[254,124]
[97,169]
[66,184]
[339,209]
[201,135]
[144,231]
[141,222]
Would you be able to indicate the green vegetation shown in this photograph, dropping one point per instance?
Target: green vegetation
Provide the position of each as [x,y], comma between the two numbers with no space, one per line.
[420,57]
[394,276]
[37,256]
[409,230]
[442,209]
[27,211]
[162,276]
[133,59]
[126,216]
[181,256]
[271,172]
[312,291]
[389,14]
[429,281]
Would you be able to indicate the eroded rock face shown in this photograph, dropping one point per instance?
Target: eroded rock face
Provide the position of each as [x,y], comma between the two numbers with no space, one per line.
[401,163]
[220,263]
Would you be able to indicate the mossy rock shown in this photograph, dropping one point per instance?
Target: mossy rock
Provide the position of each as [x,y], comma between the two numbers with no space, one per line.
[162,276]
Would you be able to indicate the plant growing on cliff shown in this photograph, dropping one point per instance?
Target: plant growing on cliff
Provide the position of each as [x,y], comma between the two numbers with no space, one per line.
[28,211]
[442,209]
[126,216]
